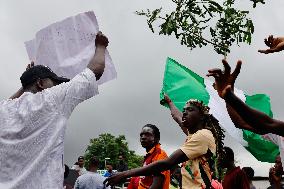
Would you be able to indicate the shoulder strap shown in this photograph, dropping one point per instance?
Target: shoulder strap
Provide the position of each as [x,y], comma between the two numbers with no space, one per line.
[204,177]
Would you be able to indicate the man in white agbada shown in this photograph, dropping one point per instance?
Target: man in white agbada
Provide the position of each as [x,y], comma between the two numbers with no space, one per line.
[33,123]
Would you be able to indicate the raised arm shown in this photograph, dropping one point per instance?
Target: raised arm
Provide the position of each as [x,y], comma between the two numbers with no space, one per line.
[97,64]
[230,79]
[255,119]
[275,44]
[239,122]
[83,86]
[176,114]
[152,169]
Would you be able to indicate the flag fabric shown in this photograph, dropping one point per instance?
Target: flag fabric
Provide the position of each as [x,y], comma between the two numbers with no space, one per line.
[67,46]
[182,84]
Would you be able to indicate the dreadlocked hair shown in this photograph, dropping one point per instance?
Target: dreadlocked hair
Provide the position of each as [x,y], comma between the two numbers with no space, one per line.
[212,124]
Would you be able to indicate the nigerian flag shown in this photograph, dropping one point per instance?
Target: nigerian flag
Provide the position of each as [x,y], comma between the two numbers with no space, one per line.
[182,84]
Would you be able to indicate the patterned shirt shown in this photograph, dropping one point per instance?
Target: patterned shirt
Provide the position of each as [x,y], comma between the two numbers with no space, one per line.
[195,148]
[32,133]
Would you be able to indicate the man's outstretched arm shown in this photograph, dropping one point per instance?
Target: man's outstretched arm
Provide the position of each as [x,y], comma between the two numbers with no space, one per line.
[154,168]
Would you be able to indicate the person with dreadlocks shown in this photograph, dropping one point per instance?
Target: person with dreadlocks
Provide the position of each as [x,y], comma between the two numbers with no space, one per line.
[177,116]
[204,140]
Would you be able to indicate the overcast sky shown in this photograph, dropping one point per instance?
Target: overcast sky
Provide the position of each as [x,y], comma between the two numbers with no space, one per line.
[126,104]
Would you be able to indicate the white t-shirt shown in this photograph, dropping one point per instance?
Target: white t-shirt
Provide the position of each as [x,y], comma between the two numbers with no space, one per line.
[90,180]
[32,133]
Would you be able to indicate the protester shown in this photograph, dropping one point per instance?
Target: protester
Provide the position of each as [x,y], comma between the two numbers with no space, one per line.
[122,165]
[109,169]
[177,116]
[250,174]
[234,178]
[150,140]
[274,44]
[79,166]
[205,139]
[92,179]
[33,123]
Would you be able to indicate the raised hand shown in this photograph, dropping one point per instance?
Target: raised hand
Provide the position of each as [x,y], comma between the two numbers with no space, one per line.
[274,44]
[101,39]
[167,98]
[225,80]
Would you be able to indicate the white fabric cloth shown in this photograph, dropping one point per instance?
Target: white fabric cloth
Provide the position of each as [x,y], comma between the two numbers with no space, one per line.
[32,133]
[90,180]
[68,46]
[279,141]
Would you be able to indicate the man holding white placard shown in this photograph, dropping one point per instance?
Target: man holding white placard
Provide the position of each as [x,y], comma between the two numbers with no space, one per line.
[33,123]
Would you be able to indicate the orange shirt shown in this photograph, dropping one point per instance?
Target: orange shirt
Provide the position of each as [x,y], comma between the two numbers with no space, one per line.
[155,154]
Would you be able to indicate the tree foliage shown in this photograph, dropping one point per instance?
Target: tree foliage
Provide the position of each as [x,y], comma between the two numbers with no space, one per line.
[109,146]
[192,20]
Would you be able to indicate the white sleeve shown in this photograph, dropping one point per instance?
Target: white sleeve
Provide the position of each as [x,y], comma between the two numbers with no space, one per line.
[68,95]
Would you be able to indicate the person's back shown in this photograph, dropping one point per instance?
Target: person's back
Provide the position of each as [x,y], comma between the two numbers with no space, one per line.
[90,180]
[32,132]
[33,124]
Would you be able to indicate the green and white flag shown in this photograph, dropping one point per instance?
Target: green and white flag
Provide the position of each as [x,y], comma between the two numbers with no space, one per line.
[182,84]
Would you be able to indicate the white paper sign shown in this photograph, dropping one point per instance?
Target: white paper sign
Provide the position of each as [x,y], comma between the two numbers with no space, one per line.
[68,46]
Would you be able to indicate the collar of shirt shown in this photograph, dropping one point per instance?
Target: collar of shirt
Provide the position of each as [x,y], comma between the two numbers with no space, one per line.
[157,146]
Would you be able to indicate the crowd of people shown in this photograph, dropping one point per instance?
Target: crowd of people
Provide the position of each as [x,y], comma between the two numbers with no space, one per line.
[234,177]
[33,123]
